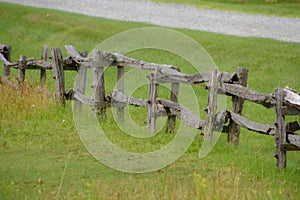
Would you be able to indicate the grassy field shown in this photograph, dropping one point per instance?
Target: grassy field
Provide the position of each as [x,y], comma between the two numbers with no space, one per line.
[284,8]
[42,156]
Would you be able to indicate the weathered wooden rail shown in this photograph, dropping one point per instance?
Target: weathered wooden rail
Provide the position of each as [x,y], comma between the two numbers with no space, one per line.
[284,101]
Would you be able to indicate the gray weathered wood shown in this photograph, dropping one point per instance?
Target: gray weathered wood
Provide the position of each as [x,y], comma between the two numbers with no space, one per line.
[58,74]
[266,100]
[237,107]
[172,118]
[80,85]
[43,71]
[212,105]
[280,134]
[186,115]
[152,96]
[118,59]
[171,72]
[77,57]
[169,104]
[33,64]
[178,77]
[120,97]
[203,77]
[7,55]
[81,77]
[30,63]
[171,76]
[294,139]
[221,118]
[82,98]
[22,67]
[98,83]
[120,87]
[226,77]
[4,59]
[291,98]
[250,125]
[173,97]
[36,64]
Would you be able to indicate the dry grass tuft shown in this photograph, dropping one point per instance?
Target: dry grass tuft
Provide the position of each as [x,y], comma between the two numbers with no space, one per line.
[29,98]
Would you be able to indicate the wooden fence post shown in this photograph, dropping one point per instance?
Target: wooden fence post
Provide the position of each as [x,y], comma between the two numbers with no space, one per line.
[98,84]
[212,104]
[152,96]
[172,118]
[58,74]
[280,134]
[7,56]
[81,75]
[81,79]
[21,73]
[237,107]
[120,85]
[43,71]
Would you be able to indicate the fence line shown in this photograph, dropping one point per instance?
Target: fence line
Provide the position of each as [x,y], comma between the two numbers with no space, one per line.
[284,101]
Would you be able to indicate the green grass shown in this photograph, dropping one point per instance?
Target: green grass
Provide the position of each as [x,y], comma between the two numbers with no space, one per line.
[42,156]
[289,8]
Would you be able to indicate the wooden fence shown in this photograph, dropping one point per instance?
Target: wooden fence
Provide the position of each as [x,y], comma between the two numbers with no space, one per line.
[58,65]
[285,101]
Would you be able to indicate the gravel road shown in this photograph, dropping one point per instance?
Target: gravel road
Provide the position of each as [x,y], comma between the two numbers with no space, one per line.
[179,16]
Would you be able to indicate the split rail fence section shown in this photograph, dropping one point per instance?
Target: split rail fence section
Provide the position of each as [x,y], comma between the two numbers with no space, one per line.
[58,64]
[285,101]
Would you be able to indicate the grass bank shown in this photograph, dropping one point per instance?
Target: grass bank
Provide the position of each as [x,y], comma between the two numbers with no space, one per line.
[264,7]
[42,156]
